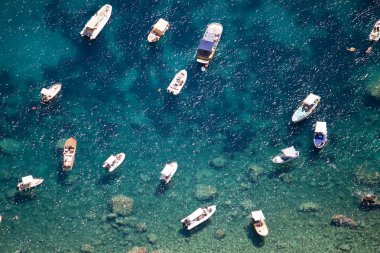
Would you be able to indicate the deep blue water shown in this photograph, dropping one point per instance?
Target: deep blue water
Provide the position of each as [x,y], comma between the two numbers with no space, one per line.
[272,54]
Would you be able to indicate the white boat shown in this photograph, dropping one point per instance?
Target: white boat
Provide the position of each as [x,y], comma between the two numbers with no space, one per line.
[178,82]
[198,216]
[209,42]
[69,151]
[375,33]
[306,108]
[113,162]
[97,22]
[49,93]
[29,182]
[158,30]
[258,222]
[286,155]
[168,171]
[320,134]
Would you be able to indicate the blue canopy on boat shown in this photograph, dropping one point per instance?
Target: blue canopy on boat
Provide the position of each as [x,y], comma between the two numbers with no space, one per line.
[206,45]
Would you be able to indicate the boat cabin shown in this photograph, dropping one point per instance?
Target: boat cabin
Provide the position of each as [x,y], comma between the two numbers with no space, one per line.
[166,172]
[205,49]
[160,27]
[289,153]
[257,218]
[26,181]
[46,94]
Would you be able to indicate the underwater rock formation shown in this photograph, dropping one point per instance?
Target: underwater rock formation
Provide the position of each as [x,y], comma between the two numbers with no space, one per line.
[374,90]
[152,238]
[340,220]
[363,176]
[218,162]
[10,146]
[122,205]
[138,250]
[141,228]
[219,234]
[86,248]
[205,192]
[308,207]
[254,172]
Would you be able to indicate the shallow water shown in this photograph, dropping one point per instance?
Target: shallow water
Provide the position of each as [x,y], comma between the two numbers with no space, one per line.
[272,54]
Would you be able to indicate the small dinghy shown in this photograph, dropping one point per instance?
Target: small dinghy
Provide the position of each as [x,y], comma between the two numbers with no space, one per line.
[207,46]
[113,162]
[158,30]
[178,82]
[375,33]
[258,222]
[320,134]
[168,172]
[306,108]
[69,151]
[286,155]
[49,93]
[198,216]
[97,22]
[29,182]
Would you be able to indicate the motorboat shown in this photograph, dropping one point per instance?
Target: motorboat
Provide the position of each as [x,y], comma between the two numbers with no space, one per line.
[375,33]
[28,182]
[198,216]
[178,82]
[49,93]
[258,222]
[168,171]
[158,30]
[209,42]
[113,162]
[69,151]
[320,134]
[306,108]
[97,22]
[286,155]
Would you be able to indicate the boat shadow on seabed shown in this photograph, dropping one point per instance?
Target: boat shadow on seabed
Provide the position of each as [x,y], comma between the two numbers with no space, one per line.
[187,233]
[161,188]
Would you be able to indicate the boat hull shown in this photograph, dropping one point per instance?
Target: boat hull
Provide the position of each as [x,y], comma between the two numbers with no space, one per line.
[119,160]
[210,211]
[176,86]
[36,182]
[217,30]
[69,152]
[107,10]
[280,159]
[261,230]
[375,33]
[173,168]
[54,89]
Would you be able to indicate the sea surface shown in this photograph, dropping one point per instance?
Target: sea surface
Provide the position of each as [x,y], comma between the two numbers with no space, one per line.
[231,118]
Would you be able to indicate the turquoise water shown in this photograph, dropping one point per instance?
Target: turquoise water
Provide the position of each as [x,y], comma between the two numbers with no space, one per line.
[271,55]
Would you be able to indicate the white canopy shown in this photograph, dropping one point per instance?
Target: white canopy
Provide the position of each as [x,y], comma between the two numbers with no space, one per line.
[161,25]
[167,170]
[311,99]
[110,159]
[320,127]
[195,214]
[257,215]
[27,179]
[46,92]
[289,152]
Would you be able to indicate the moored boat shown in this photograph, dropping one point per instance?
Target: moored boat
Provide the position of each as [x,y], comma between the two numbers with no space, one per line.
[320,134]
[209,42]
[69,151]
[286,155]
[178,82]
[49,93]
[168,171]
[198,216]
[258,223]
[97,22]
[28,182]
[113,162]
[306,108]
[375,33]
[158,30]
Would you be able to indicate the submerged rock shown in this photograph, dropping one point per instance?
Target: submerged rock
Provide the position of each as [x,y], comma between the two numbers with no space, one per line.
[254,172]
[152,238]
[141,227]
[86,248]
[218,162]
[344,247]
[363,176]
[374,90]
[10,146]
[205,192]
[219,234]
[247,204]
[340,220]
[308,207]
[122,205]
